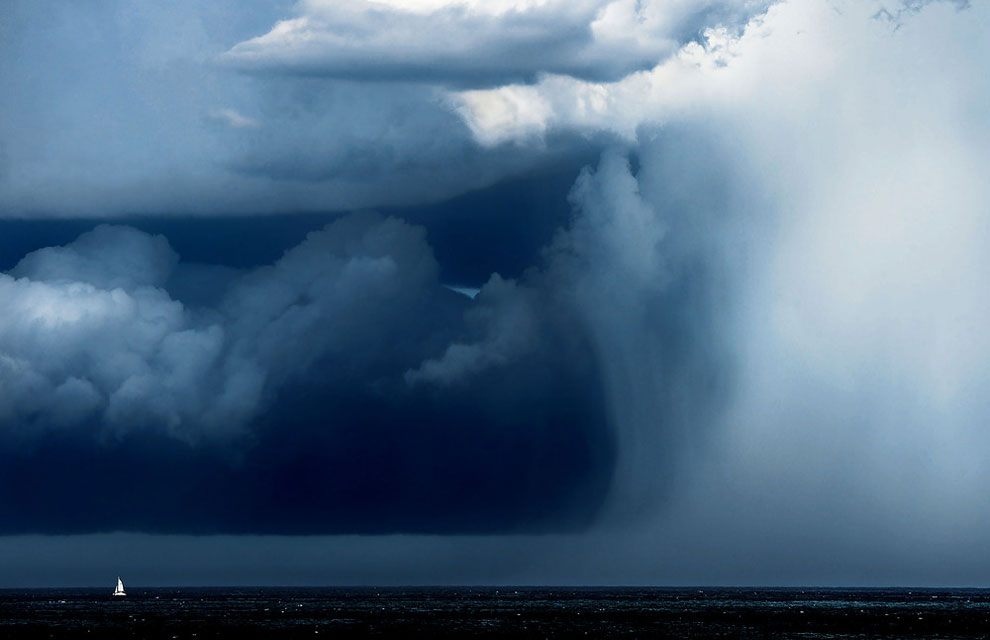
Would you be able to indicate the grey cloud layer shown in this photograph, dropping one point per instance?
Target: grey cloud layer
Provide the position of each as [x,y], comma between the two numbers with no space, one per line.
[118,108]
[482,44]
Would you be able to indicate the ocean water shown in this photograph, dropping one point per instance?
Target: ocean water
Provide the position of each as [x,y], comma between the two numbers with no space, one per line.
[495,612]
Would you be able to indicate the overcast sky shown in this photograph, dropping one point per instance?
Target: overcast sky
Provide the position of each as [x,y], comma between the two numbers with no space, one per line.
[517,291]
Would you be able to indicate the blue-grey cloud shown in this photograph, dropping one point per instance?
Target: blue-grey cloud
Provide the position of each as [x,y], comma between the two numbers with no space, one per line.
[286,378]
[347,367]
[481,43]
[94,315]
[107,116]
[847,260]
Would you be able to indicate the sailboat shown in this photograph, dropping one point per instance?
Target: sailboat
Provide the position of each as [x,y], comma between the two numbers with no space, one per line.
[119,591]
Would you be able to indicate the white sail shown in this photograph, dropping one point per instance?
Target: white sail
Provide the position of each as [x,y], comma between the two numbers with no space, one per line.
[119,591]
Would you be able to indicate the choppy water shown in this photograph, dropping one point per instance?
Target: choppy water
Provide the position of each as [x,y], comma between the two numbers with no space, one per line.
[523,612]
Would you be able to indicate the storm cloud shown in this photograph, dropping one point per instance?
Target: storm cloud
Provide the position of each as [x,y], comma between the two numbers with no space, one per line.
[346,388]
[296,386]
[729,311]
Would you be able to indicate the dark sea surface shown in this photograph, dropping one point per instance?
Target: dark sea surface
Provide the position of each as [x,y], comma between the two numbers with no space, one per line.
[547,612]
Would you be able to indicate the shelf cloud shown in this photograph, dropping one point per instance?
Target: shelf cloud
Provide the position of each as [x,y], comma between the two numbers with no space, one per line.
[481,44]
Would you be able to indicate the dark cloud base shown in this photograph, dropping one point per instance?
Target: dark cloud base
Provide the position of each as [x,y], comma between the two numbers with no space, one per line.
[506,456]
[338,386]
[499,229]
[345,444]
